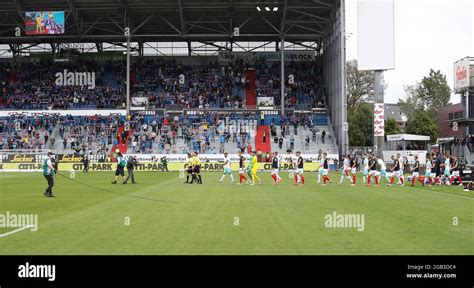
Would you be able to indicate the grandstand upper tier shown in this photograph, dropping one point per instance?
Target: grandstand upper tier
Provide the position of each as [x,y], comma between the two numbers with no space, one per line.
[32,85]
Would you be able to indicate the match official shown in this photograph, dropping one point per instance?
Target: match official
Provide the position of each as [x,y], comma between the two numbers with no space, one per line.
[48,172]
[86,161]
[196,168]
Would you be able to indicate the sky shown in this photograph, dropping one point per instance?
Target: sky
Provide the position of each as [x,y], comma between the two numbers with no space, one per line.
[428,34]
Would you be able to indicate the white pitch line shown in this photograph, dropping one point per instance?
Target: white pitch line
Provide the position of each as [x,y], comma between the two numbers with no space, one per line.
[16,230]
[459,196]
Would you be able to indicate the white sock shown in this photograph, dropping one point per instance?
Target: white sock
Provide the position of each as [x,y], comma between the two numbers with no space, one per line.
[231,177]
[222,178]
[319,177]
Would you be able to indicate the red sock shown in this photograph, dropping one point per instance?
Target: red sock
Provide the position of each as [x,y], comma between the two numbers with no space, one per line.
[391,180]
[368,179]
[401,180]
[460,179]
[353,179]
[431,180]
[413,181]
[302,179]
[242,177]
[421,179]
[376,180]
[296,179]
[274,177]
[325,178]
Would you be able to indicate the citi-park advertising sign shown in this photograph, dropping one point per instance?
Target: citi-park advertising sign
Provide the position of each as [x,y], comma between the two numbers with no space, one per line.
[461,74]
[147,167]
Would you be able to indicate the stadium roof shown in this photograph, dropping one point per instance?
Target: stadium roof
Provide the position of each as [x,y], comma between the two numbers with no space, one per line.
[174,20]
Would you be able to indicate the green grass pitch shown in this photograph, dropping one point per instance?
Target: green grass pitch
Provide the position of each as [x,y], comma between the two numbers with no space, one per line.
[169,217]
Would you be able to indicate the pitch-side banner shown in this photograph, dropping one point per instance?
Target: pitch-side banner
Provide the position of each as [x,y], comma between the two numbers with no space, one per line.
[146,166]
[39,158]
[267,56]
[220,157]
[379,122]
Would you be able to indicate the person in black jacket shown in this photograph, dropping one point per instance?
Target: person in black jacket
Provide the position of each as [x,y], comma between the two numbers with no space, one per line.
[131,164]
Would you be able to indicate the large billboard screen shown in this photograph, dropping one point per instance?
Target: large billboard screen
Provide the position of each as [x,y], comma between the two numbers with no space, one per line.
[375,35]
[44,23]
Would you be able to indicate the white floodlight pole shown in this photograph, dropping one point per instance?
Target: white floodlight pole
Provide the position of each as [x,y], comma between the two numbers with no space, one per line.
[282,49]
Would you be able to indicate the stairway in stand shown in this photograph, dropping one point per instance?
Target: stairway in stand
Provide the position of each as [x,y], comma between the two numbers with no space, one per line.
[259,145]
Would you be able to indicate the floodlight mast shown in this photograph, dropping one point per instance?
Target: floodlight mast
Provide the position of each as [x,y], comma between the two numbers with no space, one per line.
[128,72]
[282,80]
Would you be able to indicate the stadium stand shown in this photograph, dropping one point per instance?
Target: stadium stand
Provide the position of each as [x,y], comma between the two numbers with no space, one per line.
[31,86]
[207,134]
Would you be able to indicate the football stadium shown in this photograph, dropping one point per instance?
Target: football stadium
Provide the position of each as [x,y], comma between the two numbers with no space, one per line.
[223,127]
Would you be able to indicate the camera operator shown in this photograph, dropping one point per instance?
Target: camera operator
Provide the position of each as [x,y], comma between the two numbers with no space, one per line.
[131,164]
[164,164]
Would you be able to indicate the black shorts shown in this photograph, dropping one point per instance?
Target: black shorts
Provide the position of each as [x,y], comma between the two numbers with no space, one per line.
[189,170]
[197,169]
[119,171]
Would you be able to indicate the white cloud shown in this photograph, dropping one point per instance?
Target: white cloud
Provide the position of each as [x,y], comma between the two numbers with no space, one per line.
[428,34]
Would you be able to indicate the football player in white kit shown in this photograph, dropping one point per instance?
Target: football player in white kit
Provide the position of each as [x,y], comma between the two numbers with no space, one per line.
[321,168]
[383,169]
[227,170]
[365,169]
[428,174]
[447,170]
[345,169]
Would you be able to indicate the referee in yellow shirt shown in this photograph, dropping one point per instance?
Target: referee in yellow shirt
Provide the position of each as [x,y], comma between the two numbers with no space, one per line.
[196,168]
